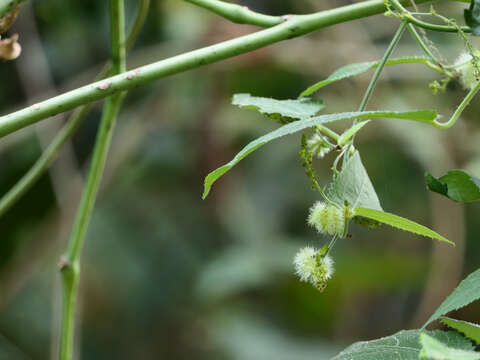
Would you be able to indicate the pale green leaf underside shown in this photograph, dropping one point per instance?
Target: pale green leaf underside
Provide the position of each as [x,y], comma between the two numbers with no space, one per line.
[357,69]
[347,135]
[399,222]
[436,350]
[286,110]
[470,330]
[465,293]
[353,185]
[403,345]
[427,116]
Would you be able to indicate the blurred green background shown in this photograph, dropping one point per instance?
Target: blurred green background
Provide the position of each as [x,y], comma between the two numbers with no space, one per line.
[169,276]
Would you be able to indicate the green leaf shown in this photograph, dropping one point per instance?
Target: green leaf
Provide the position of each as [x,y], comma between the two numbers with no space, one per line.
[472,16]
[436,350]
[282,111]
[427,116]
[457,185]
[470,330]
[352,184]
[403,345]
[347,135]
[464,294]
[357,69]
[399,222]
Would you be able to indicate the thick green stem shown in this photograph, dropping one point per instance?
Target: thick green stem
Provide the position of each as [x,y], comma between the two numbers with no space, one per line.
[70,264]
[448,124]
[67,131]
[293,26]
[238,14]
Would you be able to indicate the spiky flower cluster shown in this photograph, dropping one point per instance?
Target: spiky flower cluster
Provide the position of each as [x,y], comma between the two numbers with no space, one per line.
[467,70]
[318,146]
[311,267]
[327,218]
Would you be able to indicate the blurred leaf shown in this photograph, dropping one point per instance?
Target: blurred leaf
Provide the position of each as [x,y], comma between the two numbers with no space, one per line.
[434,349]
[470,330]
[282,111]
[357,69]
[457,185]
[399,222]
[352,184]
[427,116]
[472,16]
[464,294]
[403,345]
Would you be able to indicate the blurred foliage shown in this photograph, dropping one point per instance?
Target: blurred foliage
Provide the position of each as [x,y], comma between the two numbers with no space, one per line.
[166,275]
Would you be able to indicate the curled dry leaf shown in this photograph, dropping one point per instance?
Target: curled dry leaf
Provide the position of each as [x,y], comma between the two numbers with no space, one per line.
[9,48]
[7,20]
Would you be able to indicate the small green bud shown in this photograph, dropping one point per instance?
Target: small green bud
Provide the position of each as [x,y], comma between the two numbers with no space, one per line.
[311,267]
[327,218]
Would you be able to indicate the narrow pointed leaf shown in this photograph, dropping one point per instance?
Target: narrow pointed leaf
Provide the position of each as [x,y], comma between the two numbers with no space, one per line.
[282,111]
[404,345]
[353,184]
[347,135]
[434,349]
[357,69]
[465,293]
[427,116]
[470,330]
[457,185]
[399,222]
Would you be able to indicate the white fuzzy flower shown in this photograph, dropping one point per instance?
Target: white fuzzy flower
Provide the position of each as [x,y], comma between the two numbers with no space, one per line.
[327,218]
[318,146]
[468,72]
[311,267]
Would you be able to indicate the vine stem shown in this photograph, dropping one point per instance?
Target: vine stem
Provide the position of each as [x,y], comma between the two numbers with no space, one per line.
[70,263]
[293,26]
[69,129]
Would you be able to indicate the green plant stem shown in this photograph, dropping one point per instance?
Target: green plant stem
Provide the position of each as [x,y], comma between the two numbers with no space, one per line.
[67,131]
[330,133]
[70,264]
[7,5]
[292,27]
[238,14]
[448,124]
[376,75]
[422,44]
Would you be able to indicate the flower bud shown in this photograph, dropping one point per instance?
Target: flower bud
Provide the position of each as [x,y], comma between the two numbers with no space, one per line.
[311,267]
[318,146]
[468,72]
[327,218]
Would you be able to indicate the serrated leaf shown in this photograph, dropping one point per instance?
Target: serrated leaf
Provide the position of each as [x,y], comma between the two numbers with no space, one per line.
[399,222]
[403,345]
[347,135]
[472,16]
[353,185]
[282,111]
[465,293]
[470,330]
[436,350]
[427,116]
[357,69]
[457,185]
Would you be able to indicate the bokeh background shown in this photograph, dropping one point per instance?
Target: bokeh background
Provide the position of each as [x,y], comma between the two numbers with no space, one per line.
[169,276]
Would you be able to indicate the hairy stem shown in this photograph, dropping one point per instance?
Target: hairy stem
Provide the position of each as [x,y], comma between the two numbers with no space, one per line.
[293,26]
[69,129]
[70,264]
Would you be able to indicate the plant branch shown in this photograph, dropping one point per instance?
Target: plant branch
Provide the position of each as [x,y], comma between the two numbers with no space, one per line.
[238,14]
[67,131]
[8,5]
[293,27]
[70,264]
